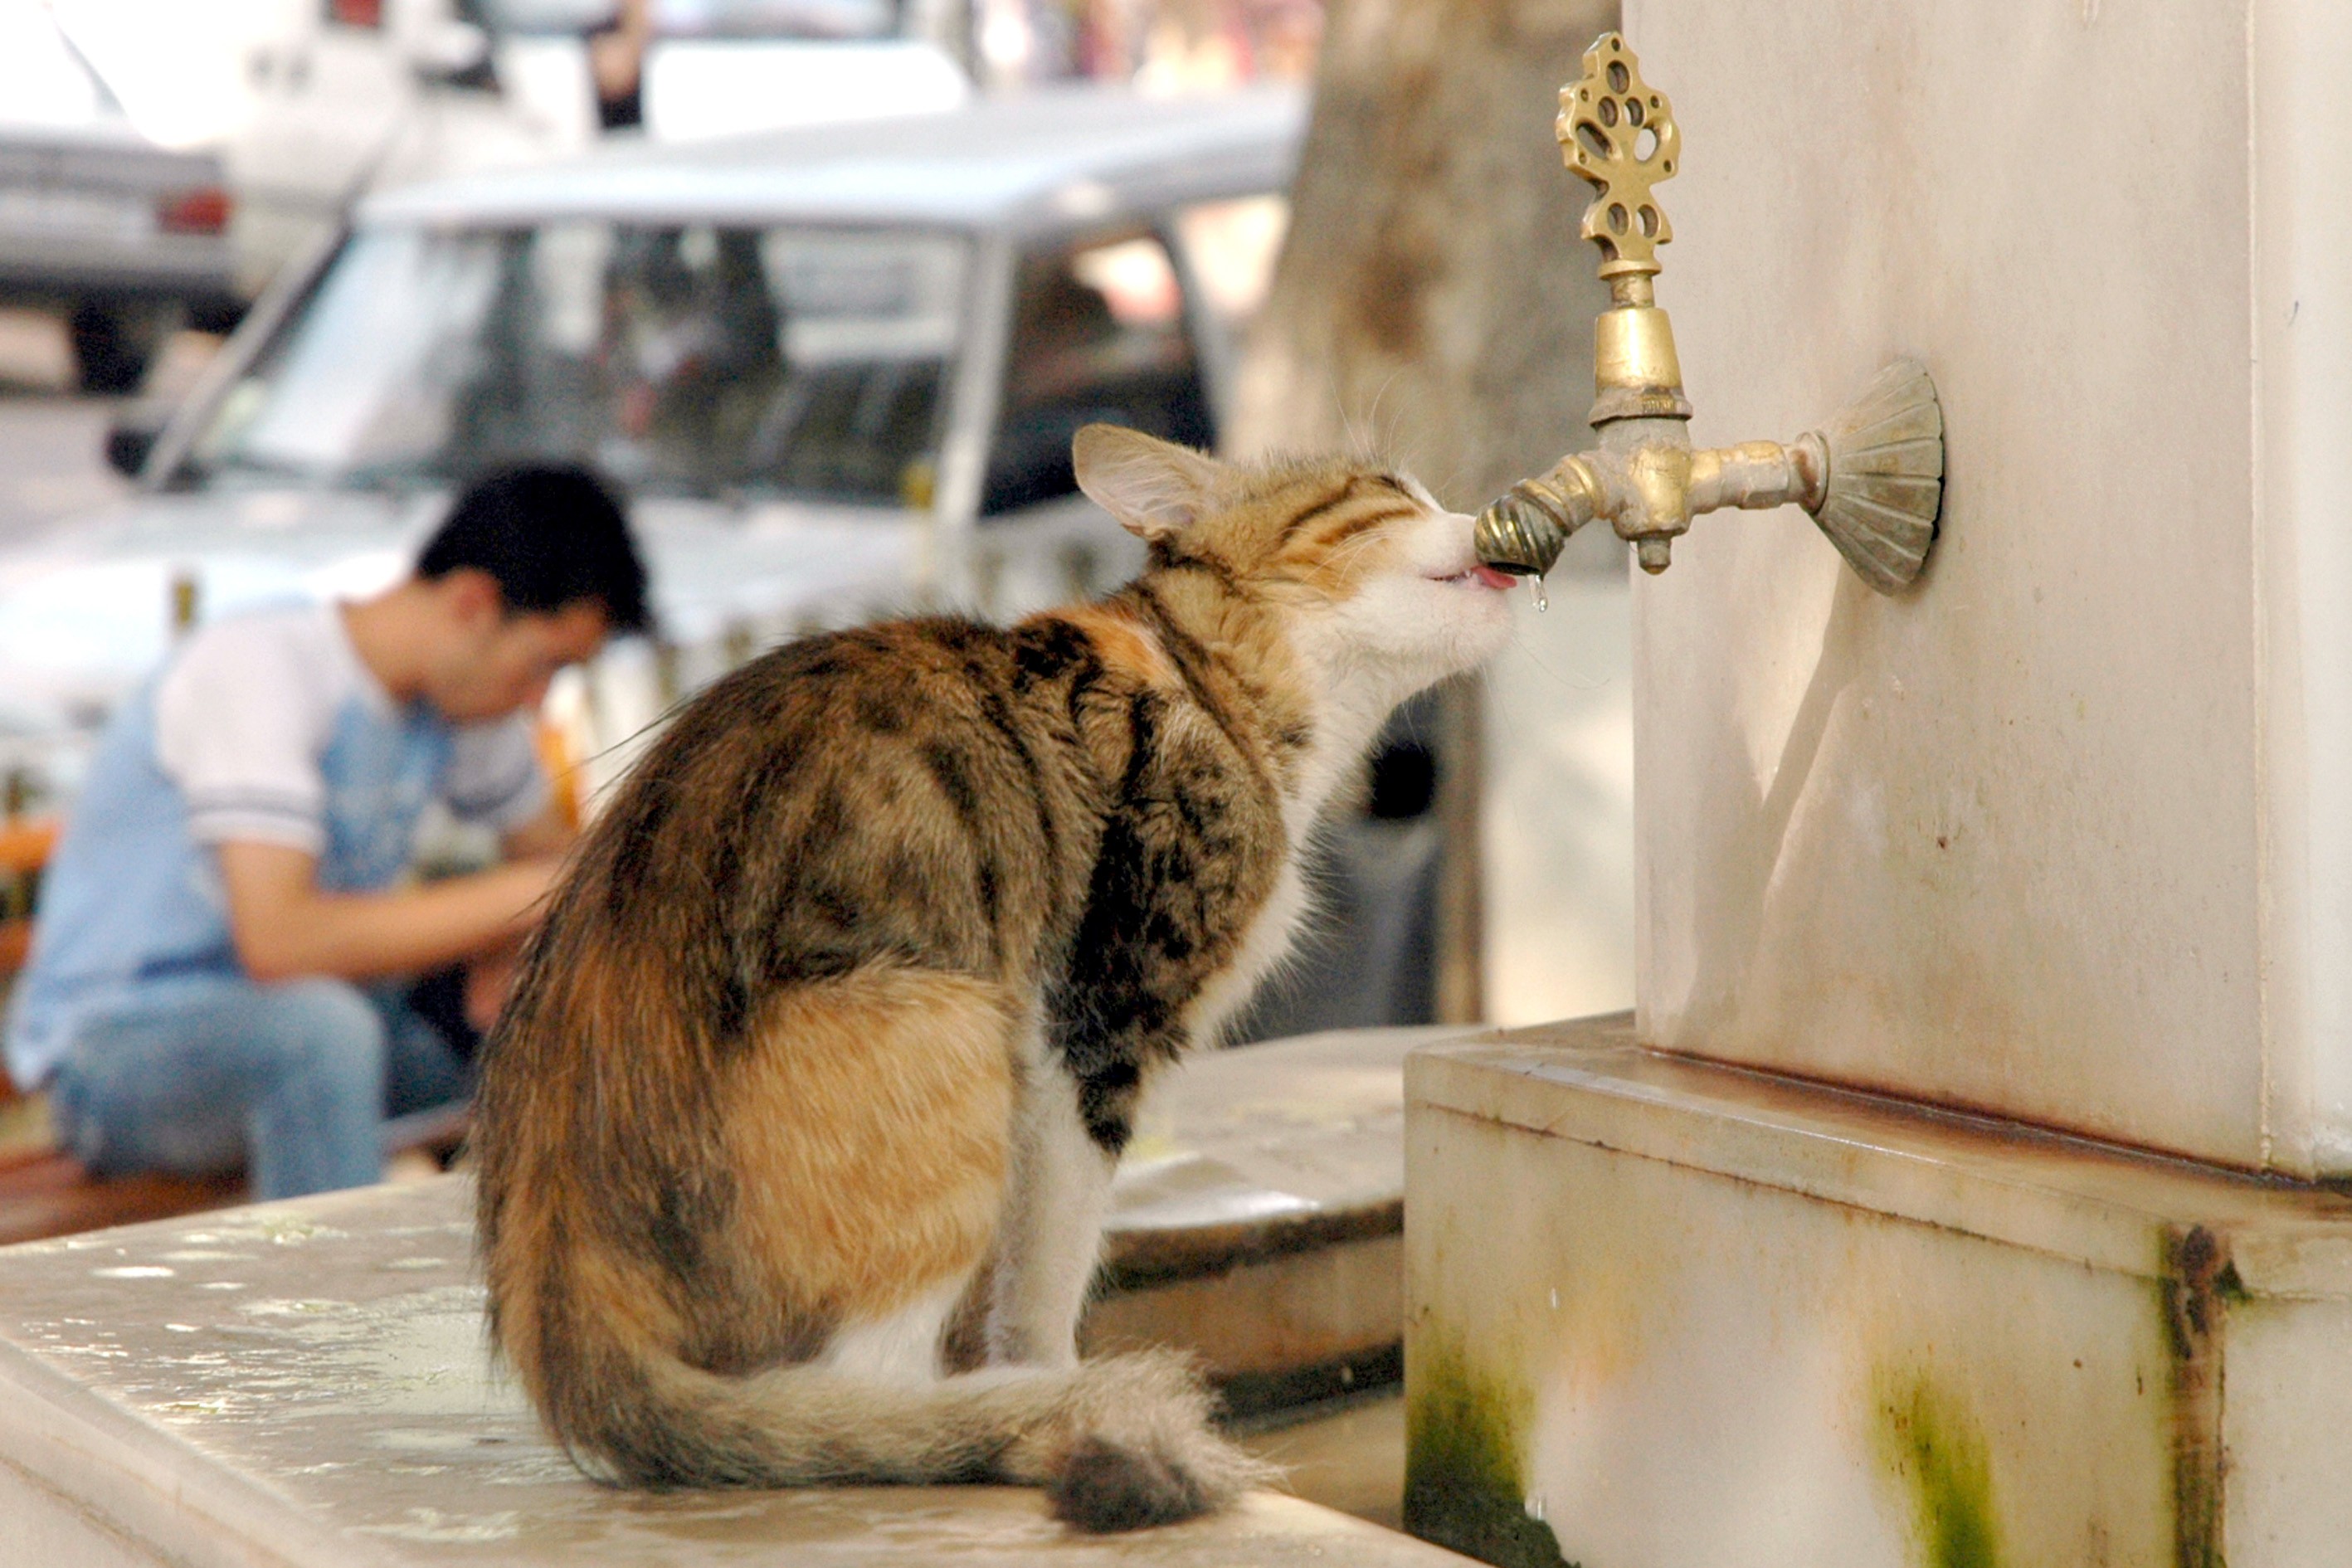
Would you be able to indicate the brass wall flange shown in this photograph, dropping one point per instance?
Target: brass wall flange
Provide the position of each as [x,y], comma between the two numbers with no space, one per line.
[1871,477]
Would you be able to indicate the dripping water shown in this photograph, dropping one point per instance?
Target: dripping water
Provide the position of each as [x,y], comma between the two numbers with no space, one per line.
[1535,591]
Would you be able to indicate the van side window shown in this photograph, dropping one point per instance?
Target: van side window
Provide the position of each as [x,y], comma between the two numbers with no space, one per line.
[1098,334]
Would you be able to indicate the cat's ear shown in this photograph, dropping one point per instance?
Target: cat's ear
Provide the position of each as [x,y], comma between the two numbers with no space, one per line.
[1154,487]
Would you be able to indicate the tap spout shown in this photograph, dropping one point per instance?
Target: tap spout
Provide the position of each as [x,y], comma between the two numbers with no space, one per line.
[1524,530]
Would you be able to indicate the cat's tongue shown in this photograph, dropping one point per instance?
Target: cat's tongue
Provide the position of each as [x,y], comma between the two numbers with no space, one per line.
[1490,577]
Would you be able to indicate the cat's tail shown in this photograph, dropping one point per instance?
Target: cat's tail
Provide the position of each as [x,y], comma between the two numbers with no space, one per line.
[1119,1442]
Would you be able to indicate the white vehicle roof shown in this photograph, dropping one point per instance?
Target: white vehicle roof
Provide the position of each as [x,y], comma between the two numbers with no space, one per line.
[1044,159]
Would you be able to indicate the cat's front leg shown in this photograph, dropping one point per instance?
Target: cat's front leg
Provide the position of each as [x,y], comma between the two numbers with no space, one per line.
[1052,1237]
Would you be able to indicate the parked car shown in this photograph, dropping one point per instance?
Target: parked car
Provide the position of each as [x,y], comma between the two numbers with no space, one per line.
[122,237]
[838,371]
[313,104]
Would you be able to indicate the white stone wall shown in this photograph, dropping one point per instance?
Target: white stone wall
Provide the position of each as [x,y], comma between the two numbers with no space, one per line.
[2066,832]
[1557,819]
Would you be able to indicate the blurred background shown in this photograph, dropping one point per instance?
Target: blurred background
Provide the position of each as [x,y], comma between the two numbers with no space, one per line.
[275,273]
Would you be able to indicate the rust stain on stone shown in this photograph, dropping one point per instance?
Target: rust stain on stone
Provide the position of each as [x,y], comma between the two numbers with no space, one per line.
[2197,1281]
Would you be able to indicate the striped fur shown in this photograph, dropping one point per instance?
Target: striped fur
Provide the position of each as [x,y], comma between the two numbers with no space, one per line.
[823,1058]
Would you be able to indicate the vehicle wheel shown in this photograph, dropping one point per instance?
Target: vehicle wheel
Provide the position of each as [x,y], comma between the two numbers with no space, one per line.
[217,317]
[114,342]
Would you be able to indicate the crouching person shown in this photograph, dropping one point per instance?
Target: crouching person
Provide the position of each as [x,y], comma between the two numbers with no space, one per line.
[216,963]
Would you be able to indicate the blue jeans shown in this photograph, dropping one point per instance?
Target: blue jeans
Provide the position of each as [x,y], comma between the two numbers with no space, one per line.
[293,1082]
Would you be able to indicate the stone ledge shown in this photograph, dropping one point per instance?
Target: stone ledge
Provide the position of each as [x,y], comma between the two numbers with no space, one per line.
[306,1383]
[2096,1203]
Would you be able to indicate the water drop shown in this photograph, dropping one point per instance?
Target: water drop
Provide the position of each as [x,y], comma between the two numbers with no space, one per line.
[1535,591]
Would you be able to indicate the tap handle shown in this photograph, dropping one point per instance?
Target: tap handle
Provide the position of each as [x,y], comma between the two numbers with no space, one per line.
[1619,133]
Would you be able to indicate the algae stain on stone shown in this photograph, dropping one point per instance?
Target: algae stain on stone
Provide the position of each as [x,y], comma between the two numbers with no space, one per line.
[1938,1455]
[1465,1471]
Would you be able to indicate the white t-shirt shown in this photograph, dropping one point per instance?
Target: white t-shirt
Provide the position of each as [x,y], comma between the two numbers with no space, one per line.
[250,717]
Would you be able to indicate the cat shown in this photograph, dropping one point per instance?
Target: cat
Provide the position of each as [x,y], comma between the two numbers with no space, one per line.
[820,1063]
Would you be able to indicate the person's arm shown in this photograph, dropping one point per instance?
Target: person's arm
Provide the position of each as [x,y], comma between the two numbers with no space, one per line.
[548,833]
[616,53]
[285,928]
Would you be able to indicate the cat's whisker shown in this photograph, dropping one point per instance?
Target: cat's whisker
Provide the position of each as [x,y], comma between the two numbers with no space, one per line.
[1527,649]
[1451,490]
[1386,447]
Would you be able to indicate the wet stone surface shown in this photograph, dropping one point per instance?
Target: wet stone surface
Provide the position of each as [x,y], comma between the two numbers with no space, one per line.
[311,1378]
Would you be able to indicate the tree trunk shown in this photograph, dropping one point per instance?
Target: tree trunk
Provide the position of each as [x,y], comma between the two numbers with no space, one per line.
[1433,305]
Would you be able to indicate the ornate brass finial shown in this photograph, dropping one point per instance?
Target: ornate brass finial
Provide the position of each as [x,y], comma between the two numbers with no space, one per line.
[1619,133]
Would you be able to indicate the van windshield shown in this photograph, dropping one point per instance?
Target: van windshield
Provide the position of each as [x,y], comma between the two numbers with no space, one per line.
[683,361]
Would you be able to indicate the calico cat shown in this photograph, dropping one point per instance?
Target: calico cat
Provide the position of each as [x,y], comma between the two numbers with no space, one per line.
[820,1064]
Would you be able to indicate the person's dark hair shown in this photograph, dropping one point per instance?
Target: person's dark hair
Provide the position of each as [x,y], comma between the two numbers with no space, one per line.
[550,534]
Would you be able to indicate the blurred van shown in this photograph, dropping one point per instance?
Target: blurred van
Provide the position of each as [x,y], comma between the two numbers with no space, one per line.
[838,371]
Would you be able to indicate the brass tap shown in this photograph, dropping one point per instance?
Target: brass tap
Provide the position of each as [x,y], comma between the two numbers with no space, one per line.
[1872,477]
